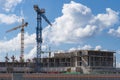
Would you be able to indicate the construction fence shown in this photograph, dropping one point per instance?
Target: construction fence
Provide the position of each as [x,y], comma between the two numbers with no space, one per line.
[45,76]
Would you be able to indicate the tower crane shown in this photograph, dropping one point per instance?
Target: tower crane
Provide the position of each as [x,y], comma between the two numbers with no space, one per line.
[40,15]
[22,37]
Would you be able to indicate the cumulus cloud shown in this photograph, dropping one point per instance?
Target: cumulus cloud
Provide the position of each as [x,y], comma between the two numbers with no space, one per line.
[10,4]
[86,47]
[98,47]
[107,19]
[10,19]
[30,40]
[118,64]
[14,44]
[31,54]
[115,32]
[119,51]
[78,22]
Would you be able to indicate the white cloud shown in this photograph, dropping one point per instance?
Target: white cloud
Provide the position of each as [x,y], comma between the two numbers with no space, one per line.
[115,32]
[14,44]
[78,23]
[10,4]
[98,47]
[118,52]
[86,47]
[9,19]
[118,64]
[30,40]
[107,20]
[7,46]
[31,54]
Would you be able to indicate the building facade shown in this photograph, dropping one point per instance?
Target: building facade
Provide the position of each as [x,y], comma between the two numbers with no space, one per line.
[83,61]
[16,67]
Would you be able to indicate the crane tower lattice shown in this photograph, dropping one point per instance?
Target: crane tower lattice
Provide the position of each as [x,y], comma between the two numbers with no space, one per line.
[40,15]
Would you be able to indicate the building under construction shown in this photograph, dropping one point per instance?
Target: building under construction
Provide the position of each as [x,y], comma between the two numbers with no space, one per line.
[71,65]
[78,64]
[81,61]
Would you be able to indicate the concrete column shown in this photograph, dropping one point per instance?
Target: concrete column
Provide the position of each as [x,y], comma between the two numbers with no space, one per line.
[114,60]
[89,63]
[75,58]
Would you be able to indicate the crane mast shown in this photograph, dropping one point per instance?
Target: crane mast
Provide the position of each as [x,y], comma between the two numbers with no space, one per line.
[22,42]
[40,15]
[22,38]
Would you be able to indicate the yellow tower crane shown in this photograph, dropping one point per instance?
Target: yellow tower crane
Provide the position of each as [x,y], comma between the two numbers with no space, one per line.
[22,38]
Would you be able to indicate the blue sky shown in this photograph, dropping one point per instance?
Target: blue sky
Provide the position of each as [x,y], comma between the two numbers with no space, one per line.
[77,24]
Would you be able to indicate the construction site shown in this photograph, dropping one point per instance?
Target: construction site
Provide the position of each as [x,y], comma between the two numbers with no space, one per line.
[70,65]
